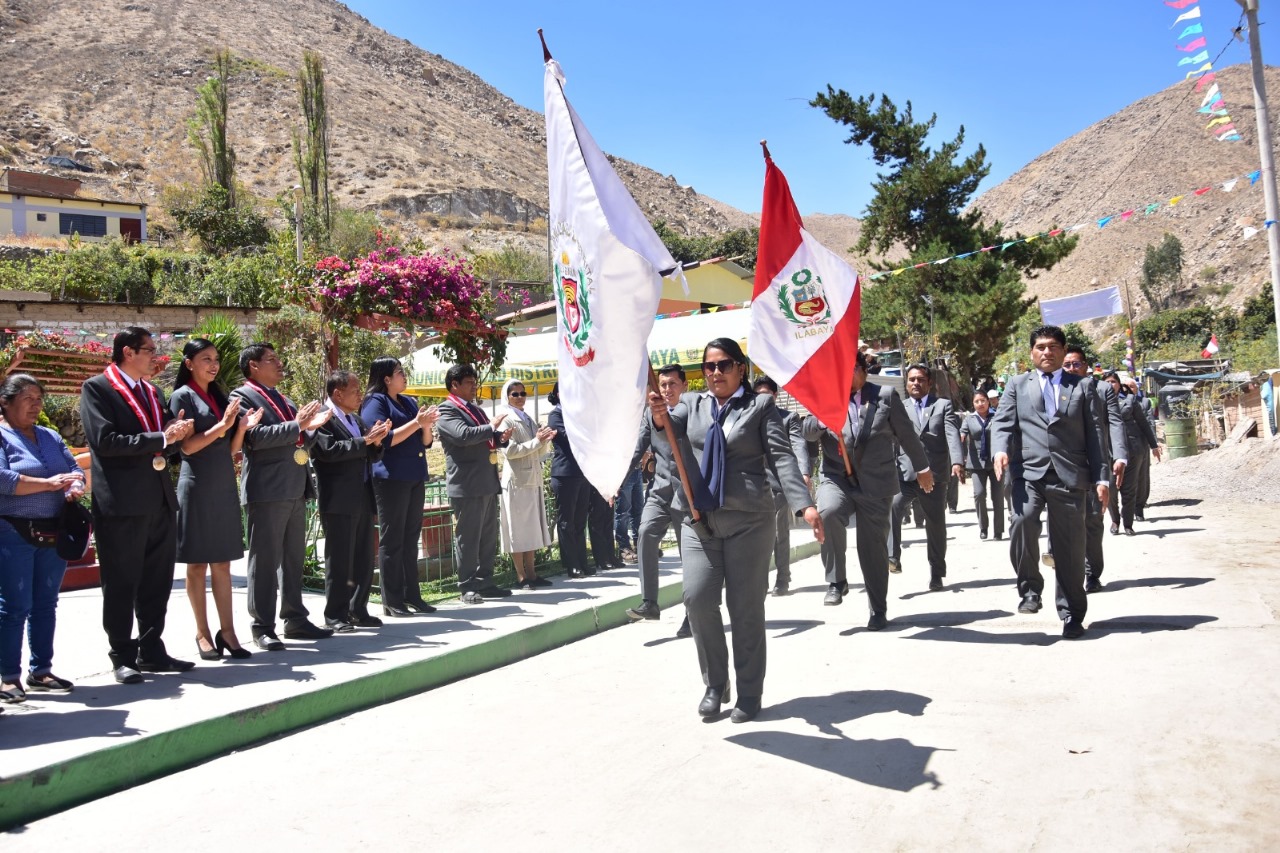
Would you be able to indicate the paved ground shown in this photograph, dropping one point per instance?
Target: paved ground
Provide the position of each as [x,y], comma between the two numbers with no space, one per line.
[964,725]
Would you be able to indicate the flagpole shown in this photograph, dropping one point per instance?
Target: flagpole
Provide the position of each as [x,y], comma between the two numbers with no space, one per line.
[675,450]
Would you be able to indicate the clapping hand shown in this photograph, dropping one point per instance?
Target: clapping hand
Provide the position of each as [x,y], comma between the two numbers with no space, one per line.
[378,432]
[313,416]
[545,434]
[229,416]
[497,421]
[251,420]
[506,434]
[178,428]
[427,417]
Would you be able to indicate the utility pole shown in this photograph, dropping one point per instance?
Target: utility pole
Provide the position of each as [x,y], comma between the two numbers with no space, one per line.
[1265,151]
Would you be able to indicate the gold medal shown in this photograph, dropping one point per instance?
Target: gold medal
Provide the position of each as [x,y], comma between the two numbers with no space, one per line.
[158,463]
[493,457]
[301,456]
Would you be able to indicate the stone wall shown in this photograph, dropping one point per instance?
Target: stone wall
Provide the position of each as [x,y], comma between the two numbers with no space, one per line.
[72,318]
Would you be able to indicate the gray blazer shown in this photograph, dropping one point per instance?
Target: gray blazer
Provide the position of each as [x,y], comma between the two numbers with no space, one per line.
[940,435]
[756,442]
[971,432]
[883,425]
[1137,424]
[794,425]
[1117,443]
[1070,442]
[468,471]
[665,475]
[270,472]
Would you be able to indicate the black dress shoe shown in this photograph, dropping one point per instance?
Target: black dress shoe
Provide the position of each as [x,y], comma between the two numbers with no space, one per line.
[307,631]
[166,664]
[366,621]
[419,606]
[833,596]
[1030,603]
[495,592]
[746,709]
[1139,516]
[1073,629]
[877,622]
[395,612]
[645,610]
[982,534]
[895,566]
[1128,531]
[1093,585]
[684,632]
[781,590]
[338,626]
[999,536]
[1115,530]
[540,582]
[935,584]
[268,642]
[125,674]
[713,699]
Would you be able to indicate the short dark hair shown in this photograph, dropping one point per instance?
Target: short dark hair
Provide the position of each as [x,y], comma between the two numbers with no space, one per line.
[456,374]
[1076,349]
[337,379]
[554,397]
[131,337]
[766,382]
[1111,374]
[1054,332]
[15,384]
[255,351]
[923,368]
[864,361]
[668,369]
[382,369]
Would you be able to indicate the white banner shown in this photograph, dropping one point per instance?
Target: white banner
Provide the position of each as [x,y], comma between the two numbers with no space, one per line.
[1086,306]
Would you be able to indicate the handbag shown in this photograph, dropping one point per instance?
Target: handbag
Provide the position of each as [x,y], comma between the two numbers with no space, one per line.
[75,529]
[39,532]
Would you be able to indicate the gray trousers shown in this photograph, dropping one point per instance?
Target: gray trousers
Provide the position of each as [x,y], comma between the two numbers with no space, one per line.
[654,521]
[1066,510]
[1093,562]
[934,505]
[782,540]
[277,555]
[836,506]
[985,482]
[733,557]
[475,540]
[1137,469]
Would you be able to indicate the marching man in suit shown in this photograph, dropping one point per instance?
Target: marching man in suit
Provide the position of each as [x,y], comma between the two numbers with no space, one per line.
[1047,434]
[976,432]
[471,441]
[131,433]
[344,454]
[937,427]
[794,425]
[876,420]
[274,487]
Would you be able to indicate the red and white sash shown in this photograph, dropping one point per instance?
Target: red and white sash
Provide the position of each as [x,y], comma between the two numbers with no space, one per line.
[472,416]
[272,403]
[151,420]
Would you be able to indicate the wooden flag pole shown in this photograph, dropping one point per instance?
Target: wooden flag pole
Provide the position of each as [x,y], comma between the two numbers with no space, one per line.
[844,454]
[675,451]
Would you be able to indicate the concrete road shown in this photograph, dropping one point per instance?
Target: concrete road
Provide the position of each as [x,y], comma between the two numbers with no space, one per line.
[963,726]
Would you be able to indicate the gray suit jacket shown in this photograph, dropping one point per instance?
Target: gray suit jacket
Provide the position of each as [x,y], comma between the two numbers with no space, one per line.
[883,425]
[468,471]
[794,425]
[1117,444]
[1137,425]
[756,442]
[665,476]
[1070,442]
[940,435]
[971,432]
[270,472]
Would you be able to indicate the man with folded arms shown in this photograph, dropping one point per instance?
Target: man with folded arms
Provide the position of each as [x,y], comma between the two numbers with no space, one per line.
[344,455]
[274,487]
[130,434]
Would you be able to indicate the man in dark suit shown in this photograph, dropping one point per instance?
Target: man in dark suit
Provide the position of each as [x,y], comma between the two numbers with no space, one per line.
[344,454]
[131,434]
[876,421]
[471,440]
[274,487]
[1048,436]
[937,427]
[1116,449]
[976,435]
[659,512]
[1140,437]
[1144,481]
[794,425]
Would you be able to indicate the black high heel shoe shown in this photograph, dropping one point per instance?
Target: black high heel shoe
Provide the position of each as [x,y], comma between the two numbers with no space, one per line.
[239,654]
[214,653]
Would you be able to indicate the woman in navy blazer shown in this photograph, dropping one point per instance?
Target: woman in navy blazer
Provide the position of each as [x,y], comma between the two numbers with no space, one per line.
[573,495]
[399,480]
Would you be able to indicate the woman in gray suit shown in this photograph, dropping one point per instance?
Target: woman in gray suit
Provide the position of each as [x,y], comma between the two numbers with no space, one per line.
[730,437]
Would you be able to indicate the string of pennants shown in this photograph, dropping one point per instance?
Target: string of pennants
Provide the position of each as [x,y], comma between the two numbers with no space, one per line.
[1213,105]
[715,309]
[1132,213]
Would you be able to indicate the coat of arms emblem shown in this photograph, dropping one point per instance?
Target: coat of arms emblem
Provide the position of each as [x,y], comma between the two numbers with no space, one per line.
[803,299]
[574,290]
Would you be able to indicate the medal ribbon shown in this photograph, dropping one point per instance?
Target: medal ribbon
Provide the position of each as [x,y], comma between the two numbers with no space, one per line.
[272,403]
[471,416]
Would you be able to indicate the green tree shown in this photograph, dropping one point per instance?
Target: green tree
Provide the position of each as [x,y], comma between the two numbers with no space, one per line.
[738,245]
[1161,272]
[920,205]
[511,263]
[207,131]
[311,144]
[209,215]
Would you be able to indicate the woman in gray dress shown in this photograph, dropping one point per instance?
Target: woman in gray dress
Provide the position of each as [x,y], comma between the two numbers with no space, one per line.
[209,530]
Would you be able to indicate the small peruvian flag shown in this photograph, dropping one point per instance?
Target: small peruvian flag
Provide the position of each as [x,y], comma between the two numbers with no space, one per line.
[804,309]
[1212,348]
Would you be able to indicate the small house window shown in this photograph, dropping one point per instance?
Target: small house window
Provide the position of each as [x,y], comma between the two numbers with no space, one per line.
[41,217]
[84,225]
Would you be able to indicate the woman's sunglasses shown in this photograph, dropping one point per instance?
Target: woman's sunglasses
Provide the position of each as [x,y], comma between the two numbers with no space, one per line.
[724,365]
[518,394]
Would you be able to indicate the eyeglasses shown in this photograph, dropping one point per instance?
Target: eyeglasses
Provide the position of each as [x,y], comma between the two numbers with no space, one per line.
[146,349]
[1072,365]
[518,394]
[724,365]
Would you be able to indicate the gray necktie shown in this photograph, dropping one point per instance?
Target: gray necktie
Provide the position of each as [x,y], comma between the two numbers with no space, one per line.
[1050,396]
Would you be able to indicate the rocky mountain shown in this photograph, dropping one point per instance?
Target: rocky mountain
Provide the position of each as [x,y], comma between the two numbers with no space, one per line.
[415,136]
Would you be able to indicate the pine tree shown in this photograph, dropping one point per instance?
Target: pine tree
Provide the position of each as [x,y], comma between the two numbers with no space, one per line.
[207,132]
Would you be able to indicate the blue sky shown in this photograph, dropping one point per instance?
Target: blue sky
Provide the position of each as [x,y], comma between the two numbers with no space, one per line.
[689,88]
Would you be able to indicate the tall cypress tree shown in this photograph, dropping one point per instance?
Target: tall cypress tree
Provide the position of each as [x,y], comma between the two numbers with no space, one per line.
[311,144]
[207,131]
[920,206]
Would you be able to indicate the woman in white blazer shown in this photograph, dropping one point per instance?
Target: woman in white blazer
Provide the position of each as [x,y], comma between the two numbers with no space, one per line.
[523,518]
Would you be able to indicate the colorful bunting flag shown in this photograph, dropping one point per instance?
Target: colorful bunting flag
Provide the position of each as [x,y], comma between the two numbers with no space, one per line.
[1194,45]
[1185,16]
[1179,4]
[1192,30]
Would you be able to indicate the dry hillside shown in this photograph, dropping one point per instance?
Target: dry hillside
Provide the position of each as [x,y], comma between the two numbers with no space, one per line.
[413,135]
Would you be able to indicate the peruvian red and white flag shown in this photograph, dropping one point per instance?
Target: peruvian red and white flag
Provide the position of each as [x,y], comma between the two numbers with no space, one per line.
[607,265]
[1212,348]
[804,310]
